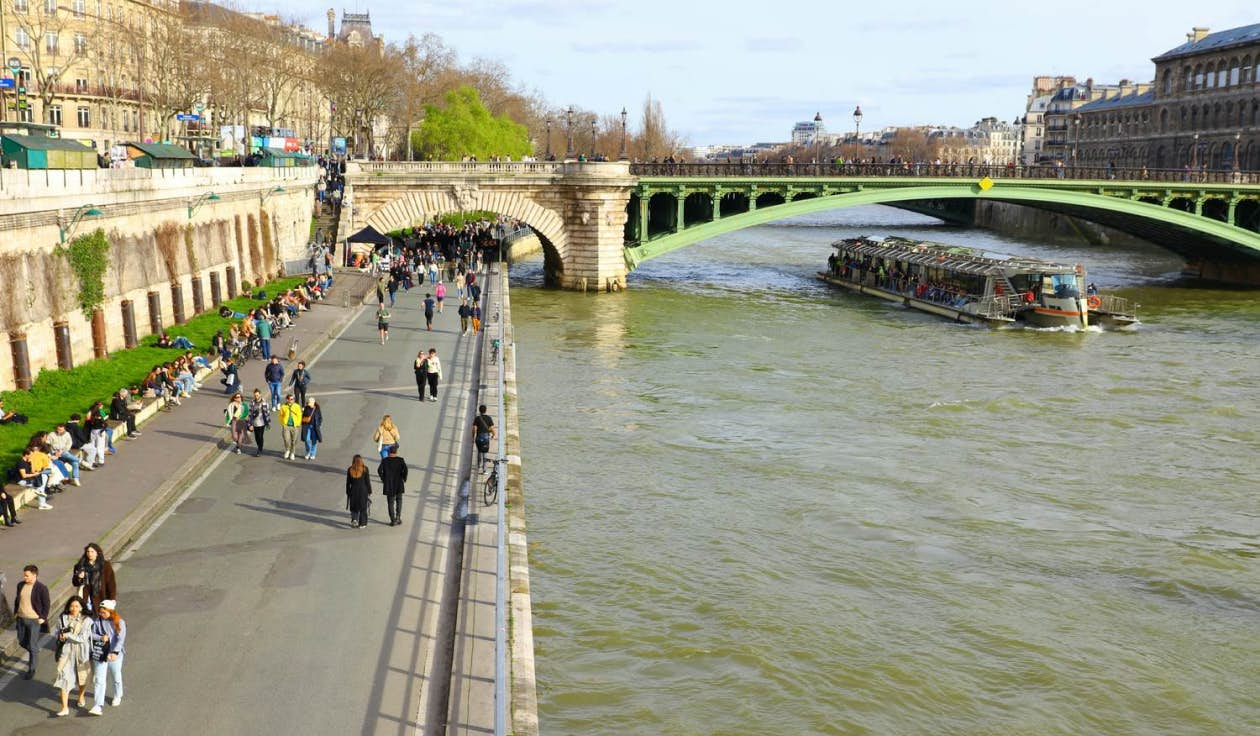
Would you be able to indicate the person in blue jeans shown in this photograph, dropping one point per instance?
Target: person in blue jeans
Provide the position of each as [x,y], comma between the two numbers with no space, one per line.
[274,375]
[109,634]
[263,326]
[312,418]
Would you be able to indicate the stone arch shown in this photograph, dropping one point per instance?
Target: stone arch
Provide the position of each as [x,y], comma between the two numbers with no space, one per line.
[417,207]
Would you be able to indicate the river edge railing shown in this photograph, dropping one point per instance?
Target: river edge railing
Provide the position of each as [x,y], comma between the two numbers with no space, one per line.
[502,702]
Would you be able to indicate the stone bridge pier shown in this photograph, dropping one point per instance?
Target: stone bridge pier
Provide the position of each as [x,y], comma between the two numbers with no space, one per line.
[578,210]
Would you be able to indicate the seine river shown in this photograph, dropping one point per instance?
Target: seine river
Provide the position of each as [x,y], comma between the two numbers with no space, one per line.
[758,505]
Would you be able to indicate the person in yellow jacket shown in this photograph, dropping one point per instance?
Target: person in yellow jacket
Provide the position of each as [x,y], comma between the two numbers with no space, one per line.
[290,425]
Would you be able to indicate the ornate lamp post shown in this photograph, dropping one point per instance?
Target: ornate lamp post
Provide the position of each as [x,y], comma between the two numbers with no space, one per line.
[1194,156]
[622,155]
[548,137]
[594,134]
[568,121]
[1076,136]
[818,142]
[1237,140]
[857,123]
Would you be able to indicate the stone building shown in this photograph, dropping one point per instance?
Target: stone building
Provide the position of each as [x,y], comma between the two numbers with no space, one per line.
[1202,110]
[100,71]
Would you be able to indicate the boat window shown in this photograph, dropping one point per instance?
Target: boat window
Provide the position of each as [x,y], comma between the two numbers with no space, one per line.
[1064,285]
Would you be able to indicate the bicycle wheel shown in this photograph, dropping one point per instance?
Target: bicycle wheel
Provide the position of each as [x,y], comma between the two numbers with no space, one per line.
[490,493]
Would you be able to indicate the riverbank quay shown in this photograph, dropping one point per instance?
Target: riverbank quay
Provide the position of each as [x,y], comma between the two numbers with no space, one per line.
[473,675]
[119,502]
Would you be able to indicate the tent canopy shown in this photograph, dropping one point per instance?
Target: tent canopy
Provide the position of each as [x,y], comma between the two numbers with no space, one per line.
[369,235]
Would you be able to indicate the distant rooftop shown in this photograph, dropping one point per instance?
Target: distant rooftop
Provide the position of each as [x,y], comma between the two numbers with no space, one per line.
[1242,35]
[1122,101]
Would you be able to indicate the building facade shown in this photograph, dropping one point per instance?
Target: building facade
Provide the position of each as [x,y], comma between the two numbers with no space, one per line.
[1201,112]
[107,71]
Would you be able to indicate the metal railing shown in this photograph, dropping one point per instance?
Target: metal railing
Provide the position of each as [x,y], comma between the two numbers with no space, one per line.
[501,559]
[956,171]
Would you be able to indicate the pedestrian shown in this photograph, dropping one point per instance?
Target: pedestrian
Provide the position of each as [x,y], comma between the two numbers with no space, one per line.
[93,577]
[380,287]
[422,372]
[230,378]
[109,635]
[358,492]
[483,431]
[382,323]
[312,418]
[464,314]
[393,473]
[273,374]
[290,424]
[74,632]
[433,371]
[262,326]
[439,291]
[385,436]
[259,420]
[429,305]
[392,286]
[30,607]
[299,380]
[476,317]
[236,416]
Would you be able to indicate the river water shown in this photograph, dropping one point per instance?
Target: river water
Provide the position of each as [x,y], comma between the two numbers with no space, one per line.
[759,505]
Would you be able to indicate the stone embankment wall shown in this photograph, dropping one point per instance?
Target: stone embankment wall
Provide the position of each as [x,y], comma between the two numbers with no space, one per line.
[1013,219]
[173,252]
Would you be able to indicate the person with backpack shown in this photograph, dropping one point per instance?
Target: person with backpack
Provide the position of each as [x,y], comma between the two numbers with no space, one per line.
[483,431]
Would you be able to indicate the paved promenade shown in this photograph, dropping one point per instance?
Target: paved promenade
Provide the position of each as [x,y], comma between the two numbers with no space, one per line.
[252,606]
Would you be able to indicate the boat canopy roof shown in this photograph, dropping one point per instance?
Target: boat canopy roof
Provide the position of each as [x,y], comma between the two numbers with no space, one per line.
[950,257]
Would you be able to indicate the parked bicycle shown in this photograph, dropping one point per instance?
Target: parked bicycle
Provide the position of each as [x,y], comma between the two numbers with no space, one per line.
[490,491]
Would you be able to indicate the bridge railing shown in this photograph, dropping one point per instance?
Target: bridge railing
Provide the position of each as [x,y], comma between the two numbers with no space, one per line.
[960,171]
[462,167]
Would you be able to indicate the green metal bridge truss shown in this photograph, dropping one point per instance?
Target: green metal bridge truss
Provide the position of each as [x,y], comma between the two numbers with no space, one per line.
[1219,222]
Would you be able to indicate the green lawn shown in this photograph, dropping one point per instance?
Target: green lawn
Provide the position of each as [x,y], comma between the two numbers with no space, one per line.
[57,394]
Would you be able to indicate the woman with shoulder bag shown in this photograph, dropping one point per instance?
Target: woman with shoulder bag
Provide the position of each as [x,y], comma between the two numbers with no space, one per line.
[74,631]
[94,577]
[109,635]
[235,416]
[259,419]
[385,435]
[312,420]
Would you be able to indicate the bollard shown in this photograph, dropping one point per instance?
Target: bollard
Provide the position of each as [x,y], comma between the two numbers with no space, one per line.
[61,336]
[155,312]
[177,302]
[129,323]
[100,344]
[21,360]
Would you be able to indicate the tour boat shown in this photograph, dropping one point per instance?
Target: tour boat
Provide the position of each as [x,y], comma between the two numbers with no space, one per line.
[963,285]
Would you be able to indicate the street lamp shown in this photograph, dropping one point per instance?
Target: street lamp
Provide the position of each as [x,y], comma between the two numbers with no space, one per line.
[1194,156]
[857,123]
[818,142]
[196,204]
[264,196]
[622,155]
[67,229]
[1237,140]
[594,132]
[1076,136]
[548,137]
[568,122]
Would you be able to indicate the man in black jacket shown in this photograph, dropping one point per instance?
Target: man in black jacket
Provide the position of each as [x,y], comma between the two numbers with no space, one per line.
[81,440]
[30,606]
[120,412]
[393,473]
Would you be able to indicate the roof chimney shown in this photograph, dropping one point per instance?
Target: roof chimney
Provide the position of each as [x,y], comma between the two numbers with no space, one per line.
[1198,33]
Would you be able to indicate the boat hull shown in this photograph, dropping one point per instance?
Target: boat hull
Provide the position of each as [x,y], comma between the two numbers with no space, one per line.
[941,310]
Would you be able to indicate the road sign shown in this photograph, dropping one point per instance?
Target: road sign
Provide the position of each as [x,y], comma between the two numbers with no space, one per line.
[187,117]
[8,83]
[15,63]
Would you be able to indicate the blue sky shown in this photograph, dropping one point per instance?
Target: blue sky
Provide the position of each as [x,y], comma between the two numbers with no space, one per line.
[735,71]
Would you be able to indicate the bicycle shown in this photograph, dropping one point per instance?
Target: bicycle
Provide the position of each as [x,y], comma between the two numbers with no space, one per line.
[490,491]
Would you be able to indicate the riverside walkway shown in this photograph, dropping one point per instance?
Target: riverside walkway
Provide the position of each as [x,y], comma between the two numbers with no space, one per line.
[251,604]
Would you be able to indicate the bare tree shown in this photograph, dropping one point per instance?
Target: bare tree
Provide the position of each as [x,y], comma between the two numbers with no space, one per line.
[51,41]
[364,83]
[180,57]
[654,140]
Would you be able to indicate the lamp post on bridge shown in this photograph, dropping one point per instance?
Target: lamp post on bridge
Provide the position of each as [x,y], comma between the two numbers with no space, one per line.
[1194,157]
[622,155]
[568,120]
[594,133]
[548,137]
[818,142]
[1076,136]
[857,124]
[1237,140]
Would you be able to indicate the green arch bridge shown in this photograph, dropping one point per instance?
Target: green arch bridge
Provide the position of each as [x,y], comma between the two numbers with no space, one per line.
[1210,219]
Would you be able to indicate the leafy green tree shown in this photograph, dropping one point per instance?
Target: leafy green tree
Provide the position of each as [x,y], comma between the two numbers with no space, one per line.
[464,127]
